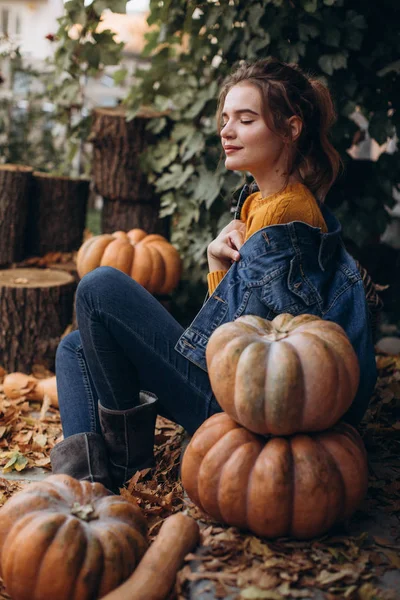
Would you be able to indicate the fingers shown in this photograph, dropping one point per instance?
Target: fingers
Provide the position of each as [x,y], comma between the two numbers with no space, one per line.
[224,249]
[236,239]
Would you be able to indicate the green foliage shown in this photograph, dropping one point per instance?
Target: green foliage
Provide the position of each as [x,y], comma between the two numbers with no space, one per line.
[81,52]
[54,140]
[25,129]
[194,45]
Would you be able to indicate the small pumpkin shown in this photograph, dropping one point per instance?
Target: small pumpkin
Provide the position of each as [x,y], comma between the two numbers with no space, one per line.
[298,486]
[19,385]
[149,259]
[283,376]
[66,539]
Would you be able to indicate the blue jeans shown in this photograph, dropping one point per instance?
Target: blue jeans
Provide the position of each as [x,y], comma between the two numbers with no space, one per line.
[125,344]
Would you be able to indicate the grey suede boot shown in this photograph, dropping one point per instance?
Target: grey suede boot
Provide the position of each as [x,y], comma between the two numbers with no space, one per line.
[83,456]
[129,437]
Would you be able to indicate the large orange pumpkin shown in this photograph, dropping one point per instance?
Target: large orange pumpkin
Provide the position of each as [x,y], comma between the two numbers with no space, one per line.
[283,376]
[297,486]
[64,539]
[149,259]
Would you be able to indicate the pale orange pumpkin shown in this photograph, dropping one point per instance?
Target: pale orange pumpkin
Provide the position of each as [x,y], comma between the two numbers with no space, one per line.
[64,539]
[298,486]
[149,259]
[284,376]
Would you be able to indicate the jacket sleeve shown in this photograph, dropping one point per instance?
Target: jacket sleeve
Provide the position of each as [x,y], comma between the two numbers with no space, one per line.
[359,332]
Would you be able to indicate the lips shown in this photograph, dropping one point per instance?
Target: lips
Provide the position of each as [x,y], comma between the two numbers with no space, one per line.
[230,149]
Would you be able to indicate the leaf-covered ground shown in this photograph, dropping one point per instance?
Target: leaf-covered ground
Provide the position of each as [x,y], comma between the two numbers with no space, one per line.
[359,560]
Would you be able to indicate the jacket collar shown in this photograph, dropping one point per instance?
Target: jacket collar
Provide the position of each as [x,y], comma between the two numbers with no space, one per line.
[328,241]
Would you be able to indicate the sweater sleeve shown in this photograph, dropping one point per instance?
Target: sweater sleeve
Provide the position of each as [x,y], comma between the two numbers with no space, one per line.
[213,279]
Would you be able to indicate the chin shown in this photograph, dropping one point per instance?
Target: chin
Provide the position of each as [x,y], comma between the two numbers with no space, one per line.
[234,165]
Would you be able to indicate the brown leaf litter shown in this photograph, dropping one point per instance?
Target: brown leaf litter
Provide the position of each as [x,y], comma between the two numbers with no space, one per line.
[342,565]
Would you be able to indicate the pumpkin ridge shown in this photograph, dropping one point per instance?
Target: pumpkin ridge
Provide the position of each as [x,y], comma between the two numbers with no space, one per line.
[343,496]
[324,418]
[61,538]
[292,486]
[342,374]
[349,443]
[246,395]
[286,405]
[88,577]
[214,455]
[22,529]
[130,551]
[248,488]
[224,473]
[112,558]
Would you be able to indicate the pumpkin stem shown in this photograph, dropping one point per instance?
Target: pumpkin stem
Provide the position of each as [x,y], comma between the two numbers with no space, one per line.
[86,512]
[276,335]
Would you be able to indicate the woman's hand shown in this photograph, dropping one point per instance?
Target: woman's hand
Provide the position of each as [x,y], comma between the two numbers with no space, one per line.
[223,251]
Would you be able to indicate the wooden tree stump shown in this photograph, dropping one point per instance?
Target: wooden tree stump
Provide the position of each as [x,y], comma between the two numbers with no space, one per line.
[57,214]
[35,308]
[124,216]
[117,146]
[15,184]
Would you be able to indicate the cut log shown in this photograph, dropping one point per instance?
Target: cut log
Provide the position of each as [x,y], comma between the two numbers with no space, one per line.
[123,216]
[15,184]
[35,308]
[117,146]
[57,214]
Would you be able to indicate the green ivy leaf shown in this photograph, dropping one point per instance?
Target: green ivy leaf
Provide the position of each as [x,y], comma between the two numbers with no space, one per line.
[120,76]
[326,63]
[332,37]
[117,6]
[311,6]
[175,178]
[380,127]
[162,155]
[307,31]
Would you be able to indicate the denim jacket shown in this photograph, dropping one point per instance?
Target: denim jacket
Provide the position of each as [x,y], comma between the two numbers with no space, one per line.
[292,268]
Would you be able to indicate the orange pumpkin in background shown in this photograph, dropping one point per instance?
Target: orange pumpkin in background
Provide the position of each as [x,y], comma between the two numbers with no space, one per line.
[298,486]
[149,259]
[288,375]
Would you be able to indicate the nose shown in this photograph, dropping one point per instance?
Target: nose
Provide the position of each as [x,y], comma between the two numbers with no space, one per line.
[228,131]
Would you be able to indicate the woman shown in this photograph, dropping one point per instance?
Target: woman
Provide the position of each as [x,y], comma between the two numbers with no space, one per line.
[282,253]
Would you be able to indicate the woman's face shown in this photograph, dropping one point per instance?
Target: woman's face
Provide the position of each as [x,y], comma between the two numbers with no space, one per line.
[248,142]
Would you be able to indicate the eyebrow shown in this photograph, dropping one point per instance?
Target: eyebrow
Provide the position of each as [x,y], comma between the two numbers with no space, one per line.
[241,111]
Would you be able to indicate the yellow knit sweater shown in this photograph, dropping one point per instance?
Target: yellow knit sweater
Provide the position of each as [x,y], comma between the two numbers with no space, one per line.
[294,203]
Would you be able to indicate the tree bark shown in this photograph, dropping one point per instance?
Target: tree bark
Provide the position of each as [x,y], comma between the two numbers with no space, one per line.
[15,185]
[117,146]
[57,214]
[125,216]
[35,308]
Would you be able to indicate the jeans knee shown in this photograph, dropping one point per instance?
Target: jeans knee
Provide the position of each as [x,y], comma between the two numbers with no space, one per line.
[96,280]
[96,285]
[67,346]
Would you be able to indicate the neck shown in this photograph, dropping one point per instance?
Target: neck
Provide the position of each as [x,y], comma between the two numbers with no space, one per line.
[273,181]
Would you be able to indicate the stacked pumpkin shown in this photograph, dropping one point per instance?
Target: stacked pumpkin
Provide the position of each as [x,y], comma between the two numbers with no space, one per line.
[149,259]
[278,461]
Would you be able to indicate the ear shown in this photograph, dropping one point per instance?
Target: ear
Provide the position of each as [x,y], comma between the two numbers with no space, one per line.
[296,126]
